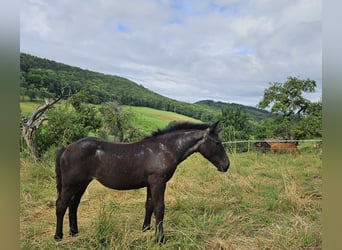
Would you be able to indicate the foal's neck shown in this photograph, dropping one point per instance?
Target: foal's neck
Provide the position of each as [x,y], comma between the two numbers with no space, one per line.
[188,143]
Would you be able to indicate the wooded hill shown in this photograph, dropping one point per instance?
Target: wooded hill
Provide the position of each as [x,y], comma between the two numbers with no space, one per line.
[255,113]
[41,77]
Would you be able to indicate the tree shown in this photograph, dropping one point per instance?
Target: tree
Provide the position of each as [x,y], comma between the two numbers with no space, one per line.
[66,125]
[286,101]
[266,128]
[234,123]
[29,126]
[33,123]
[118,122]
[311,124]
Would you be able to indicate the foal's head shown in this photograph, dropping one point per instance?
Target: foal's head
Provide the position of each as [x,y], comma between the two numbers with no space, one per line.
[212,149]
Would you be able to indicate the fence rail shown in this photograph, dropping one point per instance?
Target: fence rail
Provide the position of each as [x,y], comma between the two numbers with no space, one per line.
[254,141]
[248,145]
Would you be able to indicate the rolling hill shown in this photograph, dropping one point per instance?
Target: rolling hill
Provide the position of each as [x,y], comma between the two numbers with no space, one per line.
[39,76]
[254,113]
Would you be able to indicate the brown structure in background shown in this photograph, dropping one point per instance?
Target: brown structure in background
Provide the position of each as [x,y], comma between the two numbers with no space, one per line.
[277,147]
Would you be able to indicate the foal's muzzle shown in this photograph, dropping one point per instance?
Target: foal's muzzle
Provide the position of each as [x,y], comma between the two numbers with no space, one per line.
[224,168]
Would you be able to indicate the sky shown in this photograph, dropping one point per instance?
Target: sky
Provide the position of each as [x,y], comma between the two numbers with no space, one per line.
[189,50]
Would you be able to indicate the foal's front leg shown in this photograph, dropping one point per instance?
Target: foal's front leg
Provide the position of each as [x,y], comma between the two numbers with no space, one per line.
[157,193]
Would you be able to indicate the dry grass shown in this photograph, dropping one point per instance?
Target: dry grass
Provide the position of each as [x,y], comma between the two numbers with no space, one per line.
[262,202]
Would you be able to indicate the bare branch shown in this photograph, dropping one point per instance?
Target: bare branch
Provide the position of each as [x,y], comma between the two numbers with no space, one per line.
[39,111]
[40,122]
[29,126]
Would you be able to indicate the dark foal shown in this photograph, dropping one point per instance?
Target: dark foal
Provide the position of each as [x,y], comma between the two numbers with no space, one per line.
[149,163]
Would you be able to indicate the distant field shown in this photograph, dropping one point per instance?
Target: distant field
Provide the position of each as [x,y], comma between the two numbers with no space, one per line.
[27,107]
[264,201]
[152,119]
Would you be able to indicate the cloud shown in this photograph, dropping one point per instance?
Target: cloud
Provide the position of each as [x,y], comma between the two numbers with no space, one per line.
[187,50]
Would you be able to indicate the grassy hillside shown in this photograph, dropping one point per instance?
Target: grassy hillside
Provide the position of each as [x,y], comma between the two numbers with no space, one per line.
[93,87]
[263,202]
[38,73]
[149,119]
[27,107]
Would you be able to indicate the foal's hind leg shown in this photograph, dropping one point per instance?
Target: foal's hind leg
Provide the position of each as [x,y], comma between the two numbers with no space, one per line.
[62,203]
[148,211]
[73,205]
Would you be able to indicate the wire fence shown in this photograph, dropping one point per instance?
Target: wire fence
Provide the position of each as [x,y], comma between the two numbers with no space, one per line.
[304,146]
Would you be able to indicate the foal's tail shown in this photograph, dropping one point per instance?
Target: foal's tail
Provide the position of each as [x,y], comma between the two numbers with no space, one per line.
[58,169]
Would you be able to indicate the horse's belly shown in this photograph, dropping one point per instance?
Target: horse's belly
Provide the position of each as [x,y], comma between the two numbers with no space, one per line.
[121,184]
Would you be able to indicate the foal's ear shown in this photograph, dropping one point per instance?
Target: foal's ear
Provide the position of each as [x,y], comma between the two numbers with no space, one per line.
[214,127]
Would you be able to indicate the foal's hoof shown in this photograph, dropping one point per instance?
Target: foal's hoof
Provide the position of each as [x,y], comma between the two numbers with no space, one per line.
[58,237]
[73,234]
[146,228]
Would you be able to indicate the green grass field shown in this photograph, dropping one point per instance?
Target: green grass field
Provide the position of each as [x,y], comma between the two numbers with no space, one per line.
[149,119]
[27,107]
[264,201]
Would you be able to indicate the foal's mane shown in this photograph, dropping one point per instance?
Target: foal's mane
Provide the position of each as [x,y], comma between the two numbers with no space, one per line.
[179,126]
